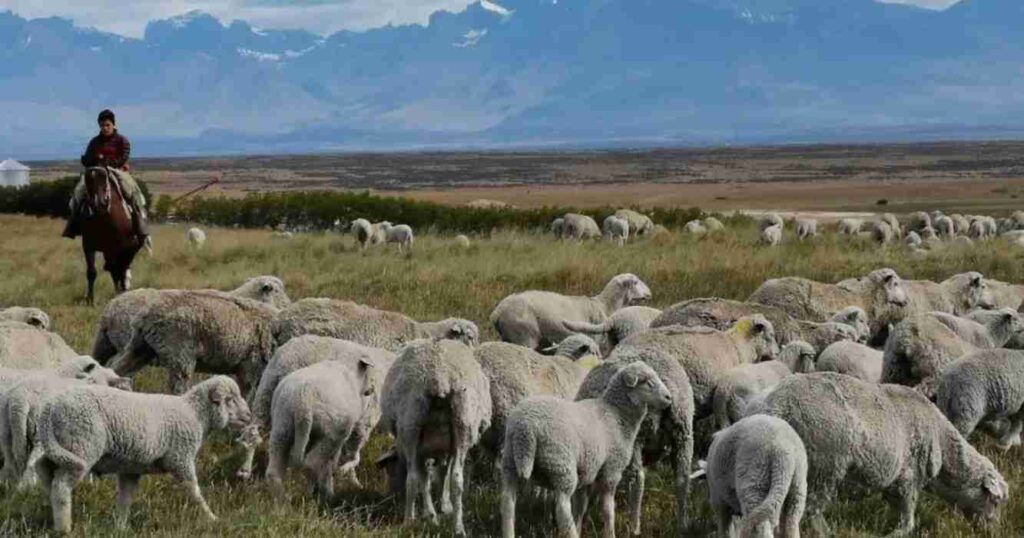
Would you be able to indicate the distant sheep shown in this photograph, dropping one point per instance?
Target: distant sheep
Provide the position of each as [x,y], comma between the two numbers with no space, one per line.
[616,229]
[713,225]
[771,236]
[463,241]
[806,228]
[850,226]
[882,233]
[578,227]
[695,227]
[196,238]
[769,220]
[557,226]
[401,235]
[639,224]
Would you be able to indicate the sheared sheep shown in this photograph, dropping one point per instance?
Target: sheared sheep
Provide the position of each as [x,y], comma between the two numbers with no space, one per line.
[883,438]
[534,319]
[578,448]
[365,325]
[105,430]
[624,323]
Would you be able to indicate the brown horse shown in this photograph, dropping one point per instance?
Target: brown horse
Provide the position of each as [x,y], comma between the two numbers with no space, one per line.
[107,228]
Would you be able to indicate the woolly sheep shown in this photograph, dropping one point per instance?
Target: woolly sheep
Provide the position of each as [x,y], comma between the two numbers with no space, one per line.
[196,238]
[757,470]
[578,227]
[615,229]
[912,240]
[984,328]
[296,354]
[105,430]
[534,319]
[670,429]
[25,346]
[881,295]
[882,438]
[738,384]
[365,325]
[31,316]
[624,323]
[713,225]
[639,224]
[960,224]
[1006,295]
[463,241]
[21,405]
[400,235]
[115,326]
[584,446]
[771,236]
[806,228]
[944,227]
[516,373]
[695,227]
[436,401]
[368,234]
[921,347]
[718,313]
[957,294]
[850,226]
[323,414]
[882,233]
[768,220]
[557,226]
[853,359]
[211,332]
[894,225]
[919,221]
[984,386]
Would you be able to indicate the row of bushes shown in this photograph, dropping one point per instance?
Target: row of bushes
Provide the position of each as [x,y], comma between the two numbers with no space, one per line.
[318,210]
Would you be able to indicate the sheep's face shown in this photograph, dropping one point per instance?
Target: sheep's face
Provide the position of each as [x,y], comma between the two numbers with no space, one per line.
[979,497]
[644,386]
[462,330]
[635,289]
[856,318]
[1011,321]
[577,347]
[799,356]
[978,293]
[761,335]
[271,291]
[227,405]
[891,288]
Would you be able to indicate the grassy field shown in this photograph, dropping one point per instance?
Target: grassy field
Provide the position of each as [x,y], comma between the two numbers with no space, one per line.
[440,280]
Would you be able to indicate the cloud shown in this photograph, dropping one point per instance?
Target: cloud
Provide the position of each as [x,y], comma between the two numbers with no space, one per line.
[931,4]
[129,17]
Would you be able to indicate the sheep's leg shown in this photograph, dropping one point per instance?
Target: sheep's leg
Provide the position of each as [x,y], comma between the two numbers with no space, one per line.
[187,475]
[413,478]
[682,452]
[250,441]
[607,494]
[61,485]
[446,486]
[509,492]
[793,509]
[580,505]
[905,494]
[563,515]
[456,469]
[426,494]
[276,465]
[1011,435]
[726,525]
[636,479]
[127,484]
[351,454]
[320,463]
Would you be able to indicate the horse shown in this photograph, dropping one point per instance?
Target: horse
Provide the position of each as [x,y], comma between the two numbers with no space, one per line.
[107,228]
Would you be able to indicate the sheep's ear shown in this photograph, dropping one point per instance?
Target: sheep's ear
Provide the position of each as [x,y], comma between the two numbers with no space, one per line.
[631,379]
[758,327]
[994,486]
[976,280]
[218,394]
[89,368]
[267,288]
[37,321]
[1008,316]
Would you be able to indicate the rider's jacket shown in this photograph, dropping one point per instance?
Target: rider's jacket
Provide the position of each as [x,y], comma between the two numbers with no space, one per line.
[114,148]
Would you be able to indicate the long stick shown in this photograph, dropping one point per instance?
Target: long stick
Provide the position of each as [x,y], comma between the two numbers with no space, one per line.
[197,189]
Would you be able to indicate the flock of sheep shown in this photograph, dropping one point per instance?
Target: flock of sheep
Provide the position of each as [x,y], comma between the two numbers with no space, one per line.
[807,387]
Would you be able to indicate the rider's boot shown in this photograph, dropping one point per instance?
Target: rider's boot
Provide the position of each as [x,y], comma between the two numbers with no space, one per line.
[74,226]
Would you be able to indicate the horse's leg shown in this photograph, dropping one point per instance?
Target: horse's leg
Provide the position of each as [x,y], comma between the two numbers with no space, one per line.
[90,274]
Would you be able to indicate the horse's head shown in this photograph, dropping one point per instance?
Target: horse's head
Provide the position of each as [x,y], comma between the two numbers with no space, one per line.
[98,190]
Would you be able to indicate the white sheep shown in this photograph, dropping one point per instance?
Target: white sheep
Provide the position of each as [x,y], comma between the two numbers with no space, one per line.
[365,325]
[196,238]
[757,470]
[737,385]
[985,387]
[105,430]
[578,227]
[463,241]
[882,233]
[853,359]
[368,234]
[894,225]
[806,228]
[713,225]
[557,226]
[769,220]
[25,346]
[534,319]
[771,236]
[865,437]
[639,224]
[850,226]
[695,227]
[401,235]
[919,221]
[436,401]
[115,325]
[323,414]
[27,315]
[944,227]
[624,323]
[615,229]
[578,448]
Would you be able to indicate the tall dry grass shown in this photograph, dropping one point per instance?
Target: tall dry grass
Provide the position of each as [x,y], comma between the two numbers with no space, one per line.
[440,279]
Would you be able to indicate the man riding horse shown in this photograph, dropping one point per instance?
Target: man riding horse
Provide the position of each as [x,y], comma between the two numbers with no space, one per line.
[110,150]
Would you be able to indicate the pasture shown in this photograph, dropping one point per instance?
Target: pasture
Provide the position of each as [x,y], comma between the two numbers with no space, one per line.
[441,279]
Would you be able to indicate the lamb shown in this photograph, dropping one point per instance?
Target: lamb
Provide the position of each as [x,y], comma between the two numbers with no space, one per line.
[21,405]
[436,401]
[713,225]
[105,430]
[771,236]
[115,326]
[984,386]
[853,359]
[294,355]
[882,233]
[578,227]
[922,346]
[400,235]
[578,448]
[321,414]
[616,229]
[624,323]
[516,373]
[670,430]
[639,224]
[757,469]
[557,226]
[738,385]
[534,319]
[365,325]
[209,332]
[881,295]
[884,438]
[806,228]
[196,238]
[30,316]
[25,346]
[850,226]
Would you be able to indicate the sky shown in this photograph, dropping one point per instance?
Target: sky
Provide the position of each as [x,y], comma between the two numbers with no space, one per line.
[129,17]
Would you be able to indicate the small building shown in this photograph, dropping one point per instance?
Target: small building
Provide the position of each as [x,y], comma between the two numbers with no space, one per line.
[13,173]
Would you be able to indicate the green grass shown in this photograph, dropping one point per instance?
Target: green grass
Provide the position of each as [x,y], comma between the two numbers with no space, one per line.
[440,280]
